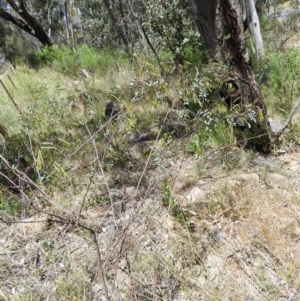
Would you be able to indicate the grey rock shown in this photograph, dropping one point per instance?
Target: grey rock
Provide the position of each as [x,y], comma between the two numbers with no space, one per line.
[196,194]
[131,193]
[262,161]
[216,235]
[250,177]
[135,151]
[135,138]
[275,125]
[281,152]
[277,181]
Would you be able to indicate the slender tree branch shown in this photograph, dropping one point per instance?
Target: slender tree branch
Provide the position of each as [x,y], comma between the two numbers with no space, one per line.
[27,22]
[100,265]
[288,120]
[17,21]
[152,48]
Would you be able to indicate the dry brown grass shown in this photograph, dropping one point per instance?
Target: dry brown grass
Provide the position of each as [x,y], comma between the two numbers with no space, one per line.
[235,238]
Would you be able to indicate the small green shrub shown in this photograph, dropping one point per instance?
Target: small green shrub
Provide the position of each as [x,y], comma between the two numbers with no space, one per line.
[197,143]
[195,57]
[172,30]
[9,204]
[75,289]
[213,132]
[173,205]
[69,62]
[282,86]
[115,152]
[48,55]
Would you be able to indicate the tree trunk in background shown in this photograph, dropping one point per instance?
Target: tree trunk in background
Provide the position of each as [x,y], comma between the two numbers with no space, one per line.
[123,22]
[69,5]
[220,23]
[27,22]
[67,22]
[122,32]
[49,18]
[298,3]
[259,44]
[205,17]
[71,20]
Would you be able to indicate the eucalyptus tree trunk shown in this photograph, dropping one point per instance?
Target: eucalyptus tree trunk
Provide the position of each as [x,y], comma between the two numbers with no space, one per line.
[49,17]
[220,23]
[69,6]
[298,3]
[67,23]
[71,20]
[259,44]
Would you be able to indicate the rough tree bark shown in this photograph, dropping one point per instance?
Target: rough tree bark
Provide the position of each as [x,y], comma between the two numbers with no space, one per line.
[25,21]
[220,23]
[67,22]
[68,6]
[49,17]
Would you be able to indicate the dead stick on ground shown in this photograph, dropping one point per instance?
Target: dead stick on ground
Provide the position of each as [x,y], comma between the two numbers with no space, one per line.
[61,219]
[100,266]
[84,198]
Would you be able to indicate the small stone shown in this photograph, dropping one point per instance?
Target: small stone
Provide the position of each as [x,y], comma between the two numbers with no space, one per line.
[96,288]
[283,293]
[233,183]
[276,176]
[263,161]
[169,222]
[215,265]
[135,152]
[275,125]
[250,177]
[195,194]
[201,182]
[217,235]
[131,193]
[281,151]
[278,181]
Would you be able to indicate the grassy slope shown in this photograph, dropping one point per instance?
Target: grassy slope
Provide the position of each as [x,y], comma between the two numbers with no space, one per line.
[208,227]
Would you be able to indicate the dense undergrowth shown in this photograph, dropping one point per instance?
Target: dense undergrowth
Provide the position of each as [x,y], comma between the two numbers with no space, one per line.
[62,101]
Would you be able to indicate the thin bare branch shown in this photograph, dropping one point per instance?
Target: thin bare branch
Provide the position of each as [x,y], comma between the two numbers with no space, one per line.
[83,200]
[100,266]
[103,174]
[288,120]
